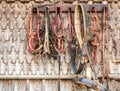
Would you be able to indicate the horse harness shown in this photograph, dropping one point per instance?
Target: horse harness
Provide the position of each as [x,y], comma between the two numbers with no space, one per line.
[50,40]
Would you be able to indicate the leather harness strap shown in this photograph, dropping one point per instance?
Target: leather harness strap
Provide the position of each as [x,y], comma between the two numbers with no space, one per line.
[83,53]
[78,25]
[73,53]
[70,28]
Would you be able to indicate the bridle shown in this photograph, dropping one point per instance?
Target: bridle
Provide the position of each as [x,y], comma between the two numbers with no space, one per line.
[34,41]
[59,33]
[94,29]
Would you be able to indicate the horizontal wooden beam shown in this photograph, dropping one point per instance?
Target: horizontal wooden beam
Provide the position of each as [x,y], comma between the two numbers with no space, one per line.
[62,77]
[57,1]
[65,1]
[39,76]
[52,7]
[98,7]
[114,76]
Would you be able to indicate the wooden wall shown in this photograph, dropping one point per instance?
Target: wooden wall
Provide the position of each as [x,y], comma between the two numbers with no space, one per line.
[19,73]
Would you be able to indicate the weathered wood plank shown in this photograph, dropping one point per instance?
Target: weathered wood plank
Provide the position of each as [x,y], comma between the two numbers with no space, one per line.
[35,85]
[66,85]
[19,85]
[49,85]
[6,86]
